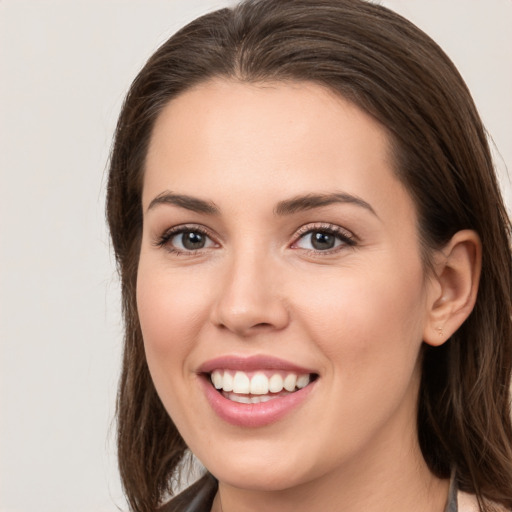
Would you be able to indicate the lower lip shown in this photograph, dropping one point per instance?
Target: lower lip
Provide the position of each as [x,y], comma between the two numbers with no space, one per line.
[254,415]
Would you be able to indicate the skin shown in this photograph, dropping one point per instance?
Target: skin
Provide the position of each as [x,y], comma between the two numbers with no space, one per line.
[357,314]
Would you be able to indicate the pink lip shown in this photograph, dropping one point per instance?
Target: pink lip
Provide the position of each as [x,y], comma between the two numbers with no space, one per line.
[252,415]
[251,363]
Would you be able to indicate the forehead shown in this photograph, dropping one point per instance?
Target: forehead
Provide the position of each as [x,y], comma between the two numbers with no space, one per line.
[220,113]
[279,139]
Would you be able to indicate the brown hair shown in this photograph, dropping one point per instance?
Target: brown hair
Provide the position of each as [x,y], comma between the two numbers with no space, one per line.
[396,73]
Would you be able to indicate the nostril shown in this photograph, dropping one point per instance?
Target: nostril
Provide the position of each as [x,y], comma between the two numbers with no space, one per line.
[246,329]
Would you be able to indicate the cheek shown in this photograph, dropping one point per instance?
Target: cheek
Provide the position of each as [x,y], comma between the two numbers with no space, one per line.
[368,322]
[170,308]
[369,328]
[171,313]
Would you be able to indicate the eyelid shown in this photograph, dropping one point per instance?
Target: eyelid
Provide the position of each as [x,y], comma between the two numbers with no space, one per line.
[163,239]
[347,237]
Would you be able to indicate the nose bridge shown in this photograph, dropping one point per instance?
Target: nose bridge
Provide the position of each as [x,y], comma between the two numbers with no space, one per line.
[249,300]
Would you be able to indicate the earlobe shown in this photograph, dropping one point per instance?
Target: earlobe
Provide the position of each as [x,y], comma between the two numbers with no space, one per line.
[454,287]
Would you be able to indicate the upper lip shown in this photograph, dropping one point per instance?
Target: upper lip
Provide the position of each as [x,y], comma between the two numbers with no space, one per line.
[251,363]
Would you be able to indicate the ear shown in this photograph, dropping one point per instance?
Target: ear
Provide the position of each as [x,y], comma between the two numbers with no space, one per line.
[453,287]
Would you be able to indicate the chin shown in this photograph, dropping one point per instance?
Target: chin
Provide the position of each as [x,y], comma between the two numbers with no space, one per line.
[259,477]
[258,469]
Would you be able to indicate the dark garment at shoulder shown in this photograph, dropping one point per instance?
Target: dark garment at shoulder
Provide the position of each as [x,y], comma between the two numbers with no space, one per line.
[451,506]
[196,498]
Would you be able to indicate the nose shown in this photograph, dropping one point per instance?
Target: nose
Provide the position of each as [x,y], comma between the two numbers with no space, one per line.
[250,298]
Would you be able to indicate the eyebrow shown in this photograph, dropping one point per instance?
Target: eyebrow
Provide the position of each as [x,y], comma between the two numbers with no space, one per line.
[286,207]
[188,202]
[311,201]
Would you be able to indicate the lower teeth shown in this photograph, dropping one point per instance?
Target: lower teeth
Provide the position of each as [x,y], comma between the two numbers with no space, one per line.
[252,399]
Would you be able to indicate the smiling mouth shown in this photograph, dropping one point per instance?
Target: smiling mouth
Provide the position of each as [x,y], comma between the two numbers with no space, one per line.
[258,386]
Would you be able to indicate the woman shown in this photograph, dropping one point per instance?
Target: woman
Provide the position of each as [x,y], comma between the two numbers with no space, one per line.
[315,266]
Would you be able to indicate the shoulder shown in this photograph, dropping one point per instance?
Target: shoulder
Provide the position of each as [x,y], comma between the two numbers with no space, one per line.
[196,498]
[468,503]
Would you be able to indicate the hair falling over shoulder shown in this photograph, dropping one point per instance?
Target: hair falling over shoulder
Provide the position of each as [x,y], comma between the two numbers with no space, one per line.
[392,70]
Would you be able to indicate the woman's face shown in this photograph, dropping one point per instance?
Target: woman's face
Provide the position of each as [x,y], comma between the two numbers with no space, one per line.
[279,249]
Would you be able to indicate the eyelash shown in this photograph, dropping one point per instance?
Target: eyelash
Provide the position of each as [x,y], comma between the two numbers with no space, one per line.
[163,241]
[345,237]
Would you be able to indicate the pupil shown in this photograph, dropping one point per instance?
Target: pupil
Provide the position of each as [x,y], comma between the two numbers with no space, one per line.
[192,240]
[322,241]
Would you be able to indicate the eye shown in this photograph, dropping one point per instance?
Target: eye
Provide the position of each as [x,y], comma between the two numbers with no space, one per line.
[186,240]
[319,241]
[190,240]
[323,238]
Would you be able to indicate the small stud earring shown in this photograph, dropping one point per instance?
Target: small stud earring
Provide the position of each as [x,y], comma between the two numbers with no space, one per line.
[439,331]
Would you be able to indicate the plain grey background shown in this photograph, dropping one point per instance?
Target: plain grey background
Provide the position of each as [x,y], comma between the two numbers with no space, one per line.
[65,66]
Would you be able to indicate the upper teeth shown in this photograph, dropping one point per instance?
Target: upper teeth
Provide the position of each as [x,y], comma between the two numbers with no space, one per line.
[259,383]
